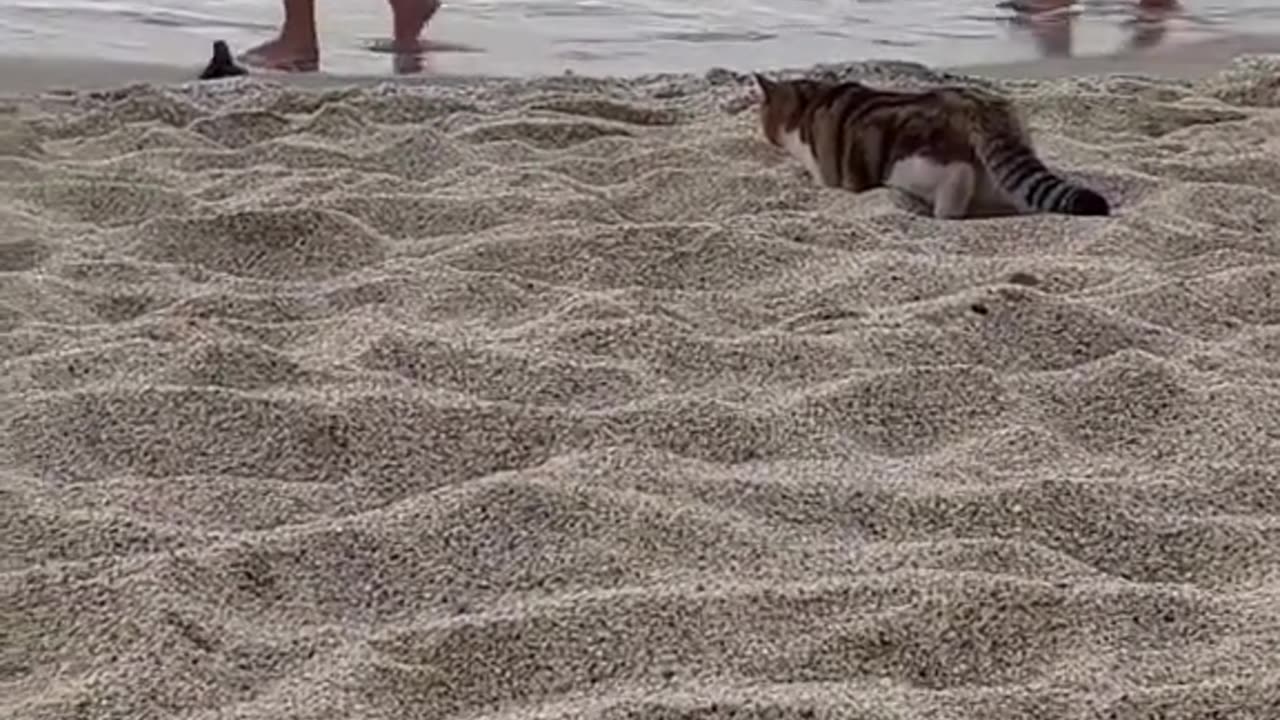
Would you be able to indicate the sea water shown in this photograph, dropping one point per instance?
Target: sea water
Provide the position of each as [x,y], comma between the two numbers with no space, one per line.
[627,36]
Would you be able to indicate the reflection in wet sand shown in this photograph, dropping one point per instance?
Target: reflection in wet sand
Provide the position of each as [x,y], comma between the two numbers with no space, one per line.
[1051,23]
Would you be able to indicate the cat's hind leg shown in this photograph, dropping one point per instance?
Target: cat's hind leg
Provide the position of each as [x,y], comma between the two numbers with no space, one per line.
[954,192]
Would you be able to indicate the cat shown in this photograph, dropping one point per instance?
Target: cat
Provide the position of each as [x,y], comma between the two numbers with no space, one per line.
[962,151]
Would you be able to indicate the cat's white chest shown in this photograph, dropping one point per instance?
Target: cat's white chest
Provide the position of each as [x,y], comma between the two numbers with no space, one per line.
[801,151]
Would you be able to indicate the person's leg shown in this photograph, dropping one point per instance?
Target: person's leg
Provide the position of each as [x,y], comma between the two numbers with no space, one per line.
[408,17]
[1150,23]
[296,49]
[1050,23]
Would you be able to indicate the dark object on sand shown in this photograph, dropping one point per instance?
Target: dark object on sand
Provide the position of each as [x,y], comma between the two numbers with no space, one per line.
[222,64]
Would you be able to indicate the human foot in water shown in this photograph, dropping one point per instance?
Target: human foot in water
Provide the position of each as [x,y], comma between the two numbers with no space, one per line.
[291,52]
[409,17]
[297,49]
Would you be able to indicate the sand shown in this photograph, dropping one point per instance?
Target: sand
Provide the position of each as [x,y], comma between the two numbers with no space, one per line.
[571,398]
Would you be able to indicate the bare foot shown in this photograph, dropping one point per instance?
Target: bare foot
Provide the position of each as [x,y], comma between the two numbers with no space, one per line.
[408,19]
[284,55]
[407,63]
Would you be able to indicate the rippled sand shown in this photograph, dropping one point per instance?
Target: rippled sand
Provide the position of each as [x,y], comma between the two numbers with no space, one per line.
[571,398]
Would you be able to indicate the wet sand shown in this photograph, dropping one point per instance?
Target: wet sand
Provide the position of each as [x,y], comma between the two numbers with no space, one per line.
[20,75]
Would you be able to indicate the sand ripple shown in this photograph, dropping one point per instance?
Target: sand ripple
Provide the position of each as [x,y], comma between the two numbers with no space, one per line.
[570,398]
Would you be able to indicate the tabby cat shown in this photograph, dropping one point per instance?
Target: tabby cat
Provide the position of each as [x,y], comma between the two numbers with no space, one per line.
[961,150]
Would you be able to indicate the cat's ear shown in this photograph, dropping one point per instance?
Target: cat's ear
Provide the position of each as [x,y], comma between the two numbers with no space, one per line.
[766,85]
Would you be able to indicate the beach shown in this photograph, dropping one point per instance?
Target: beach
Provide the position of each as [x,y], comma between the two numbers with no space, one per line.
[570,397]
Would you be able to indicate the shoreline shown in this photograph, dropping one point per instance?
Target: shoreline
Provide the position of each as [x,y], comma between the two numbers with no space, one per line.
[23,75]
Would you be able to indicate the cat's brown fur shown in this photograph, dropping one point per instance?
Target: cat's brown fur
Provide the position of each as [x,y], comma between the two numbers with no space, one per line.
[962,150]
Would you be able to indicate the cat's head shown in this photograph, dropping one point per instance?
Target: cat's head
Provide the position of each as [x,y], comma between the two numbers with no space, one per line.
[783,102]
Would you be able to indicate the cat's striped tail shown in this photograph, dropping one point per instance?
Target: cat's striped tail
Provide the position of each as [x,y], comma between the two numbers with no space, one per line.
[1014,167]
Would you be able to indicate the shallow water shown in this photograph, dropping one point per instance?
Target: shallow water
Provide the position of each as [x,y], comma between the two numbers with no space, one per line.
[621,36]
